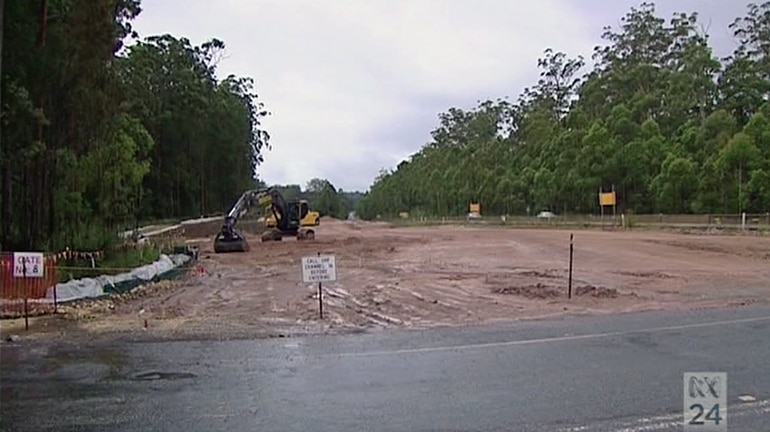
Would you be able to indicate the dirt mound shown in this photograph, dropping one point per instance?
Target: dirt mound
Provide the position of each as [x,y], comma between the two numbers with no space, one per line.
[646,274]
[92,308]
[543,291]
[598,292]
[732,245]
[207,229]
[535,291]
[694,246]
[547,274]
[352,240]
[211,228]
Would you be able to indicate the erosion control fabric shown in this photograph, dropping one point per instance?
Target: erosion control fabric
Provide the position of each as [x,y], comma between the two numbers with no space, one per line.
[166,267]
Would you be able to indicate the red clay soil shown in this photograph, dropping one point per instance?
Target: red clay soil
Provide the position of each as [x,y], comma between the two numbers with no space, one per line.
[448,275]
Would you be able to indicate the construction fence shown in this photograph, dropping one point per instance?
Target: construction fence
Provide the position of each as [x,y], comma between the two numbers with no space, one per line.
[38,291]
[743,221]
[25,294]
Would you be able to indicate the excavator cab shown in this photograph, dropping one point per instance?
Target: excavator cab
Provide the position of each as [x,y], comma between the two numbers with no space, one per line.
[298,207]
[308,217]
[296,212]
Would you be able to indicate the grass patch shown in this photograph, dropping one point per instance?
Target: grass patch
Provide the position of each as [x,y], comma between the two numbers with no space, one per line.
[113,262]
[131,258]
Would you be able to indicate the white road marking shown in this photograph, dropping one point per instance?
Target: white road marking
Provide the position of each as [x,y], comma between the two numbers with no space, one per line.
[642,424]
[669,421]
[548,340]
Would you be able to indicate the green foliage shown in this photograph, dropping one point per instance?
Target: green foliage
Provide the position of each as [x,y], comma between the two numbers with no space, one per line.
[657,116]
[97,136]
[325,199]
[208,135]
[120,261]
[322,197]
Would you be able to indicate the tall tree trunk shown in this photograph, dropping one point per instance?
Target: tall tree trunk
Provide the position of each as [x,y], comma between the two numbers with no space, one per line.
[51,188]
[43,23]
[5,153]
[39,199]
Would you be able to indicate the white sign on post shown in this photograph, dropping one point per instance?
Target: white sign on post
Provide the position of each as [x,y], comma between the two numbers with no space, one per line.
[28,264]
[319,269]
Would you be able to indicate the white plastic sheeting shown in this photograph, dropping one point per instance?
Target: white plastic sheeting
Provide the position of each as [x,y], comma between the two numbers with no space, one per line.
[144,233]
[94,287]
[201,220]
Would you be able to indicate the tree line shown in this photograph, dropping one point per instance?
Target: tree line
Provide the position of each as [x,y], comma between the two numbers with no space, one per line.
[657,116]
[322,196]
[98,135]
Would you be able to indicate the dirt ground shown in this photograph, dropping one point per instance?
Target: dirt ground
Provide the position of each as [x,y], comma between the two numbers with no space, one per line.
[428,276]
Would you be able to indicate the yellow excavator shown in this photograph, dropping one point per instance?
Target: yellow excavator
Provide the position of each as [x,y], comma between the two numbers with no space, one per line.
[287,217]
[308,218]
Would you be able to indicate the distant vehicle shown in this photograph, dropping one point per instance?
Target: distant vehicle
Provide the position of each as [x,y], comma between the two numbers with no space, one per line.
[546,215]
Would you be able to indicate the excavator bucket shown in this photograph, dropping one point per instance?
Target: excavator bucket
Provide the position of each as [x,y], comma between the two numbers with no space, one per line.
[226,245]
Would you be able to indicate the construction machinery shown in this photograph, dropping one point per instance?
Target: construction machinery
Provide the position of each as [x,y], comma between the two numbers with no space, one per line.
[287,219]
[310,218]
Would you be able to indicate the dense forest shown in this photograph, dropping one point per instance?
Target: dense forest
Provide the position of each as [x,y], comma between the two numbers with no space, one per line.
[99,132]
[656,116]
[102,129]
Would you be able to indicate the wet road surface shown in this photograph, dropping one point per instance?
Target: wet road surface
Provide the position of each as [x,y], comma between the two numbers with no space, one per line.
[614,373]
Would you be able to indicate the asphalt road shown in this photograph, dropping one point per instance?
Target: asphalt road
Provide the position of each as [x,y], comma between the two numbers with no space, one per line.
[608,373]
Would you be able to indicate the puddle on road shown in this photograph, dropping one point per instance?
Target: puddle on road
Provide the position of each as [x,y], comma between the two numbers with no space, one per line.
[79,363]
[157,376]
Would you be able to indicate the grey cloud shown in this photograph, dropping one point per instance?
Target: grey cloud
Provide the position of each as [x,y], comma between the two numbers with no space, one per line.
[411,131]
[369,87]
[356,175]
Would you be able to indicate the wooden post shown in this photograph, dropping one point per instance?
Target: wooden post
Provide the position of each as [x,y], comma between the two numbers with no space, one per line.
[26,313]
[320,301]
[320,297]
[569,280]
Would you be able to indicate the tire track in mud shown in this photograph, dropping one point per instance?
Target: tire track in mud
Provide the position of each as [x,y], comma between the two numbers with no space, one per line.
[381,305]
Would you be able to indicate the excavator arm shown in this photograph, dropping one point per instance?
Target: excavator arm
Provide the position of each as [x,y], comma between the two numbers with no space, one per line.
[230,240]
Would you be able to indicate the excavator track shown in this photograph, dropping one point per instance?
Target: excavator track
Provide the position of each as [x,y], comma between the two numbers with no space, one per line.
[305,234]
[272,235]
[277,235]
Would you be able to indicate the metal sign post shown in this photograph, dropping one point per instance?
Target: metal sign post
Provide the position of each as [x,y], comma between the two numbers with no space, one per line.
[571,252]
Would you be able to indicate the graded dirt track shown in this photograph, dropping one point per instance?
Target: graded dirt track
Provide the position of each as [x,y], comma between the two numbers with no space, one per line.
[448,275]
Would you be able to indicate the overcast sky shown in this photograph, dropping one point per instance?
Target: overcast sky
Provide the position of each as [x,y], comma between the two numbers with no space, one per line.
[356,85]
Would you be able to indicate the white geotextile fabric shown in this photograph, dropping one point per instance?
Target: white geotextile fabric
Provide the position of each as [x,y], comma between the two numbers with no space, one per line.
[94,287]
